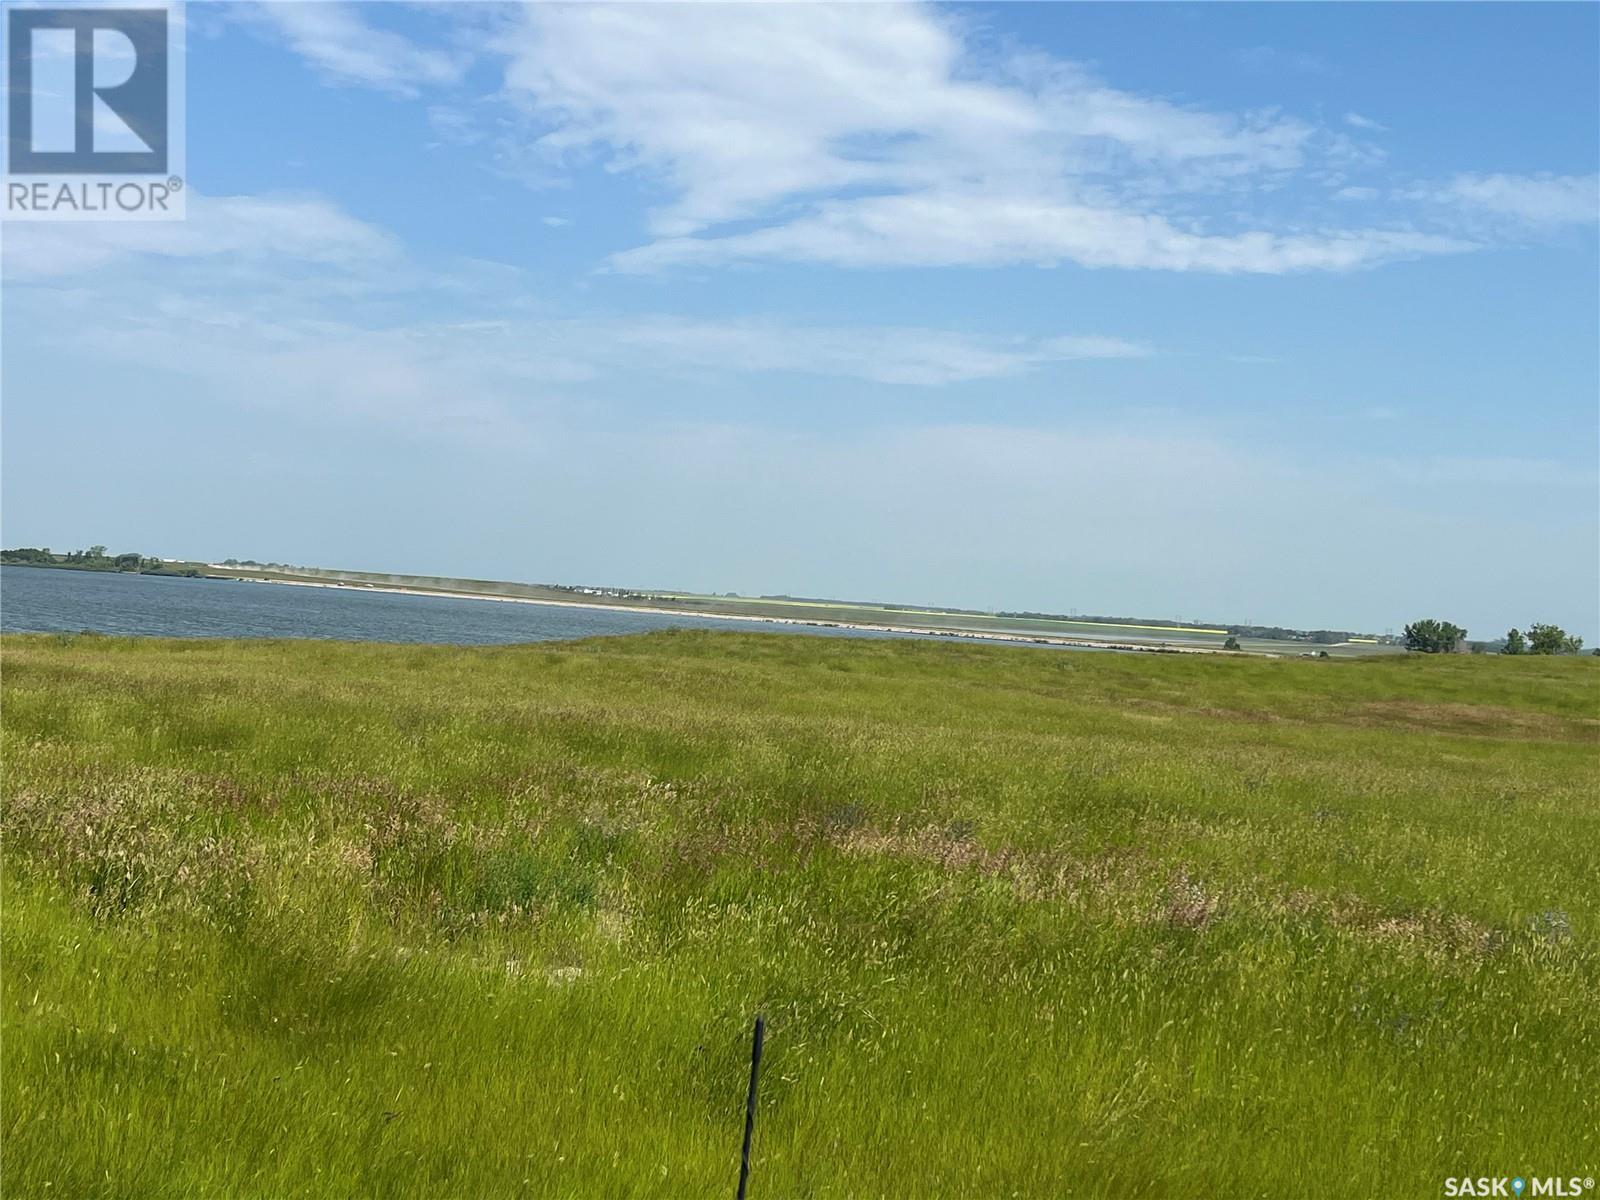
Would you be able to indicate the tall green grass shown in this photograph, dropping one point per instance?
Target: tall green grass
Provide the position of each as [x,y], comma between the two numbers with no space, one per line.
[315,919]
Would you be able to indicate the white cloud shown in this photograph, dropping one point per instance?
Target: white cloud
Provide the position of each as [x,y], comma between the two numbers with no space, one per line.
[739,108]
[291,303]
[885,135]
[1532,199]
[924,357]
[902,135]
[340,44]
[1356,121]
[407,373]
[982,230]
[256,229]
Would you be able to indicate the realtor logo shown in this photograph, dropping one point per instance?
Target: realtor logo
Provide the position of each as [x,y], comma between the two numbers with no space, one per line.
[94,106]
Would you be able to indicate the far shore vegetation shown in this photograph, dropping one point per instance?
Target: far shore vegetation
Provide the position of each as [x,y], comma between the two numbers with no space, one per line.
[96,558]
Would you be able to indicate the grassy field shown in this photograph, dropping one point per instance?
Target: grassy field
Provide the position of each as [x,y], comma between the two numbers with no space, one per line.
[317,919]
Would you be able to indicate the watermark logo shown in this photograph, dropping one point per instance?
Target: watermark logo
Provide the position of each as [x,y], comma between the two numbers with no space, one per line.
[94,113]
[1520,1185]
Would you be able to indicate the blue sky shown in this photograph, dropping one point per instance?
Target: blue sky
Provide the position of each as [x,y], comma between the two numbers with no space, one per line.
[1282,313]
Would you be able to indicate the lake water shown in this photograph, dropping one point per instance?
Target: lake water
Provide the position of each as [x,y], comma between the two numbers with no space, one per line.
[41,599]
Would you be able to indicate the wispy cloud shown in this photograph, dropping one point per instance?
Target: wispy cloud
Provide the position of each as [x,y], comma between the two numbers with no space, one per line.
[1539,200]
[302,230]
[1269,60]
[290,302]
[877,135]
[899,136]
[338,41]
[918,357]
[977,229]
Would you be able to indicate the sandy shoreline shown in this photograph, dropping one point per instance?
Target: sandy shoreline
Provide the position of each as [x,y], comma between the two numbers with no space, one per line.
[1024,639]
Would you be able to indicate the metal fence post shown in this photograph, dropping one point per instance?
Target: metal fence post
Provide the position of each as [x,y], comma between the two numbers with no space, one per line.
[750,1104]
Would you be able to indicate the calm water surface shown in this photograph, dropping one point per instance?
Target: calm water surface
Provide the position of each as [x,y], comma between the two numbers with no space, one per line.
[41,599]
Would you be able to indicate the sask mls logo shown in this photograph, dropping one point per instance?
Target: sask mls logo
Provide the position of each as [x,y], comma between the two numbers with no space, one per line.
[1515,1186]
[94,103]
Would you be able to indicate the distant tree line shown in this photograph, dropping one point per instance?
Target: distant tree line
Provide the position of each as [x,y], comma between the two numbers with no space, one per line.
[28,554]
[1542,639]
[1441,637]
[95,558]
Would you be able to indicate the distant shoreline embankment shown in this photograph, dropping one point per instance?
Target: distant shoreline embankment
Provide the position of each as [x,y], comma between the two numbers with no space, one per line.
[658,610]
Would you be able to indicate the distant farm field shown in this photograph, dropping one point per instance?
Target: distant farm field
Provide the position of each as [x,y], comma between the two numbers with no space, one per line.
[324,919]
